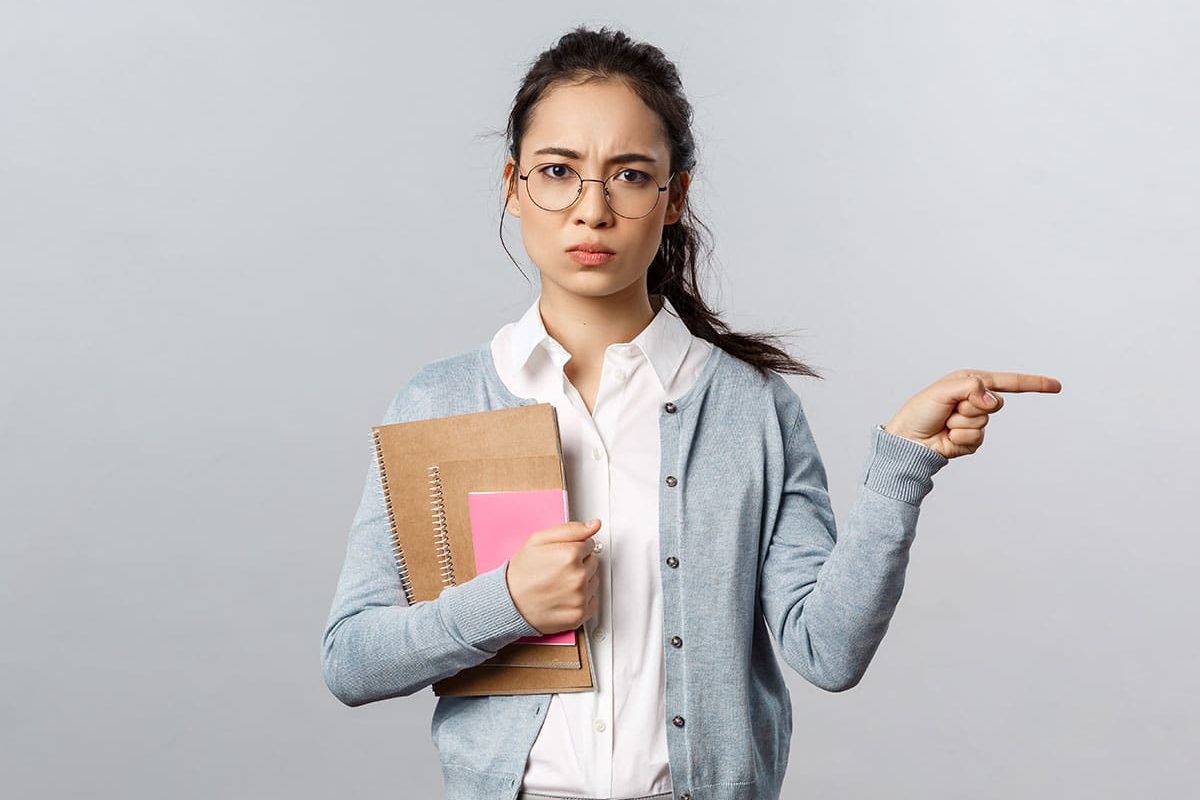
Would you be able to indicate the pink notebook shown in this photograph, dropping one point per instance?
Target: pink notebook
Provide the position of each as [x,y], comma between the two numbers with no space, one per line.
[500,524]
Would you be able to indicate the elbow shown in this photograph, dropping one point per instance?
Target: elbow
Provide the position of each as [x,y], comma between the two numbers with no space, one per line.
[347,699]
[351,691]
[833,674]
[337,679]
[837,683]
[348,678]
[827,677]
[342,693]
[830,680]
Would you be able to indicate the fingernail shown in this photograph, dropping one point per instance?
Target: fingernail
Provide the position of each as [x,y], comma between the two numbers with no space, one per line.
[989,398]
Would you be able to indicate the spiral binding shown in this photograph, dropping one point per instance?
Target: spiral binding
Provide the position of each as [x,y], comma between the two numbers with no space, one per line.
[440,534]
[397,551]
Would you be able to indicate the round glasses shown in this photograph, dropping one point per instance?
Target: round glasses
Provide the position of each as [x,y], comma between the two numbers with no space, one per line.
[630,193]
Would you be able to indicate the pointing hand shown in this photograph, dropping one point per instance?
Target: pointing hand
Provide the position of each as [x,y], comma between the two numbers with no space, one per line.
[949,415]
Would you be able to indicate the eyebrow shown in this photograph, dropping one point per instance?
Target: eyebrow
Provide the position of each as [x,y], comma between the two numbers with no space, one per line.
[623,158]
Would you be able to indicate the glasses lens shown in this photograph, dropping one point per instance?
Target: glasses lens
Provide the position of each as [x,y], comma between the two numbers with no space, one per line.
[553,186]
[632,193]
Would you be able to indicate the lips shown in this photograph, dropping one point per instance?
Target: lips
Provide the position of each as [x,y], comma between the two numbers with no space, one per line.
[589,259]
[590,248]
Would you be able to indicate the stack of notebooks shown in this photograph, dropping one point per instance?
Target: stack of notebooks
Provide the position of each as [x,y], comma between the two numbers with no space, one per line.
[463,493]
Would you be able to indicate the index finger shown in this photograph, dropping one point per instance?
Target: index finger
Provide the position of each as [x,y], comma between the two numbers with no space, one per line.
[1020,382]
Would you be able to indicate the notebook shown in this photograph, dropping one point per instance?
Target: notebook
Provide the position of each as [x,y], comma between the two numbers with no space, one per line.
[501,522]
[429,471]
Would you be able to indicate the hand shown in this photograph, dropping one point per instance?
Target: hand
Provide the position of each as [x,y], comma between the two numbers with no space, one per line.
[950,414]
[552,578]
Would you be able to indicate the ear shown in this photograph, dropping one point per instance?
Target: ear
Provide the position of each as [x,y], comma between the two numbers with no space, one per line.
[509,185]
[676,194]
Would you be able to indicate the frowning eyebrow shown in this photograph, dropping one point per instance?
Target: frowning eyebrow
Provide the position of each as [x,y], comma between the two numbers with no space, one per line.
[623,158]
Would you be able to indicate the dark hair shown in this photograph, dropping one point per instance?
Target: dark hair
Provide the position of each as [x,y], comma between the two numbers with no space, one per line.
[583,56]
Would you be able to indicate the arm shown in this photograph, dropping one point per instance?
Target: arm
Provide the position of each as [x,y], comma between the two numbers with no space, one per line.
[827,599]
[376,646]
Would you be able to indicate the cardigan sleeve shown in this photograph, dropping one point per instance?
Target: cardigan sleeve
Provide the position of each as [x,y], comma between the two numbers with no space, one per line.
[375,644]
[828,598]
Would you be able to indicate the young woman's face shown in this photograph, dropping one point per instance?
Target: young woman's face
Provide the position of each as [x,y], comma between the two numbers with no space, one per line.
[597,122]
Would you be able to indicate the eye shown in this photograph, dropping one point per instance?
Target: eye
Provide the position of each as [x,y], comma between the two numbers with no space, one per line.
[634,176]
[555,171]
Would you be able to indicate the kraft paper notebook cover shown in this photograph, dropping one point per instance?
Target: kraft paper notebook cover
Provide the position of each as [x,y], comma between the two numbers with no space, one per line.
[427,467]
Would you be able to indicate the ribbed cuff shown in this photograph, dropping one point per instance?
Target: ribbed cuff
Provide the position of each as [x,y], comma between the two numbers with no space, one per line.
[483,612]
[901,468]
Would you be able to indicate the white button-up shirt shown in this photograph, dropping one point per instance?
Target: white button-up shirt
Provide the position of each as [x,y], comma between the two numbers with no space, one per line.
[610,742]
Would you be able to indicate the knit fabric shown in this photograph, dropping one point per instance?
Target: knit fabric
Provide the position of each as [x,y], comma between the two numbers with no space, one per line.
[749,550]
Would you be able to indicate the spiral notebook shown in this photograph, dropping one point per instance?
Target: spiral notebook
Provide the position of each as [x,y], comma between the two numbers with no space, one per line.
[428,471]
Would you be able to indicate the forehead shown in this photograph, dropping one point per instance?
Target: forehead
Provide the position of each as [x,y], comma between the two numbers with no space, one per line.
[595,119]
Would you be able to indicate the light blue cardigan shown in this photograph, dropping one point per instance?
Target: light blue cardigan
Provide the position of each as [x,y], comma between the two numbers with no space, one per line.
[747,541]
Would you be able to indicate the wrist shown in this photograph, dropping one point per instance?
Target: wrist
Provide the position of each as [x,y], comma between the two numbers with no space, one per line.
[892,429]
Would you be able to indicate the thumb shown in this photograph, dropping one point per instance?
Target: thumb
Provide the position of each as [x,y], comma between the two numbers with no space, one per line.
[974,389]
[984,399]
[573,531]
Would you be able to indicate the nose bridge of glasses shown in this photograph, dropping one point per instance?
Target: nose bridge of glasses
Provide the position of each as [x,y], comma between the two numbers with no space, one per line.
[604,194]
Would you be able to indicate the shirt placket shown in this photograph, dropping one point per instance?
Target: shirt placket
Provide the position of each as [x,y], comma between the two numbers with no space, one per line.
[599,426]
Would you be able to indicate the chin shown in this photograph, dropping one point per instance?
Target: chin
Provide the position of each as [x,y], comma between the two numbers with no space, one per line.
[589,281]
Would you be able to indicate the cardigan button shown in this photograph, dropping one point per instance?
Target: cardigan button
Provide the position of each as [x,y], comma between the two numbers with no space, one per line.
[685,796]
[671,480]
[672,562]
[676,641]
[670,407]
[677,720]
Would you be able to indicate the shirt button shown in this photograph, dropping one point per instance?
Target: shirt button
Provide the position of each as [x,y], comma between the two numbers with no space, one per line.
[685,796]
[601,634]
[670,408]
[619,374]
[672,562]
[596,454]
[599,726]
[677,721]
[597,545]
[676,641]
[671,480]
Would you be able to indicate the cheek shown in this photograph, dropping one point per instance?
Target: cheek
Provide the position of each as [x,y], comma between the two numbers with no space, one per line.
[649,235]
[536,234]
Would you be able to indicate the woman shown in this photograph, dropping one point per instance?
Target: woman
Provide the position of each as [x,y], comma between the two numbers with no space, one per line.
[710,525]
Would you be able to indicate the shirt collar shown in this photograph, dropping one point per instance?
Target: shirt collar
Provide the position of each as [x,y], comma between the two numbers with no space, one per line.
[664,341]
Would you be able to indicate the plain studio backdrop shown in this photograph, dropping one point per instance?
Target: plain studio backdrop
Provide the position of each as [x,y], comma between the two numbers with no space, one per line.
[231,231]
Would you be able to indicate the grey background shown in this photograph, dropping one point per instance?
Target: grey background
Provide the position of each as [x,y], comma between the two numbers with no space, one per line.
[230,231]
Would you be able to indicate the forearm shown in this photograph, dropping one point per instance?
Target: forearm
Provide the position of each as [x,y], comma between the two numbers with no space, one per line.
[373,653]
[830,597]
[831,633]
[376,646]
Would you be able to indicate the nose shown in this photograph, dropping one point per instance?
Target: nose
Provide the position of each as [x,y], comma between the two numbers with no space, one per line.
[592,207]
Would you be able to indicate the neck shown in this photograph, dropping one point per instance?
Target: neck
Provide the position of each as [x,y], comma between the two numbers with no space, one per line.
[586,325]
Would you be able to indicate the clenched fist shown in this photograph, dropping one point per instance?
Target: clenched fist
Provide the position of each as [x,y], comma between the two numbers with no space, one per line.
[552,578]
